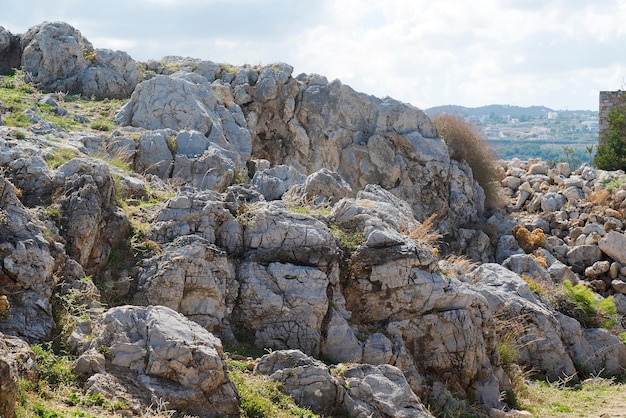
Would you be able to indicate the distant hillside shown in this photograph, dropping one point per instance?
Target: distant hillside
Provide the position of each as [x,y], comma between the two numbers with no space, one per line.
[498,110]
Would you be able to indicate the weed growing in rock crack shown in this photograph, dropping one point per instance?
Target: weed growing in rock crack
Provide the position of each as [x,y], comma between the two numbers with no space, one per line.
[60,156]
[261,397]
[537,288]
[347,239]
[425,231]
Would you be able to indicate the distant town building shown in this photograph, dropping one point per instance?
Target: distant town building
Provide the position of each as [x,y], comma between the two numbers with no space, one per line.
[553,115]
[609,100]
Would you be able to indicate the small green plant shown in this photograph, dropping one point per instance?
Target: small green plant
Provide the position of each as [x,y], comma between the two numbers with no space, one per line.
[54,369]
[590,310]
[535,287]
[60,156]
[348,239]
[101,125]
[19,134]
[172,144]
[615,183]
[262,398]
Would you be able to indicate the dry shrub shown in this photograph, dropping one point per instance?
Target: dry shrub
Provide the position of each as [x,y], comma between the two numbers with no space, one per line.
[462,261]
[599,197]
[528,240]
[425,231]
[466,142]
[540,259]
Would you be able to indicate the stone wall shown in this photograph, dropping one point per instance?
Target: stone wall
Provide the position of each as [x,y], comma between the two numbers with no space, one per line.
[608,101]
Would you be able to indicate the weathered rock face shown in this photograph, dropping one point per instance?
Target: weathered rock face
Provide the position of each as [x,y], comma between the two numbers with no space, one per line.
[538,333]
[17,361]
[58,58]
[10,51]
[92,224]
[188,101]
[27,267]
[360,390]
[192,277]
[169,356]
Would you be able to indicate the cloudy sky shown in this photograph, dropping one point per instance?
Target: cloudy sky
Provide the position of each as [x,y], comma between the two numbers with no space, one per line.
[556,53]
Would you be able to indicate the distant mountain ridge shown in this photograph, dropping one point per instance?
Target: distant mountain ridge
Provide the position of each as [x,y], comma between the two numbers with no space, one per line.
[498,110]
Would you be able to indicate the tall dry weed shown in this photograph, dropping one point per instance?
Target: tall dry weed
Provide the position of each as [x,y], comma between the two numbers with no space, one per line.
[466,142]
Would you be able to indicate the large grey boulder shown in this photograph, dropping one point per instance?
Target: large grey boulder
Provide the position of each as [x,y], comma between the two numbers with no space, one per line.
[282,305]
[215,169]
[537,332]
[154,155]
[311,124]
[27,270]
[192,277]
[614,245]
[201,213]
[114,75]
[58,58]
[92,224]
[594,350]
[274,182]
[187,101]
[172,358]
[319,188]
[358,390]
[306,380]
[17,361]
[380,391]
[10,51]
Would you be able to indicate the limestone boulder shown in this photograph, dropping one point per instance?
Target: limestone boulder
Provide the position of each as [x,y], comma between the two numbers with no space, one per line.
[380,391]
[10,51]
[201,213]
[273,233]
[58,58]
[595,350]
[308,381]
[282,305]
[114,74]
[193,277]
[274,182]
[537,331]
[215,169]
[187,101]
[323,187]
[614,245]
[154,155]
[26,277]
[92,224]
[171,357]
[17,361]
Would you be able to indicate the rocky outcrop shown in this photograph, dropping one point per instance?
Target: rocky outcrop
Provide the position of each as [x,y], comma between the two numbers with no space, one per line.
[294,215]
[10,51]
[91,224]
[17,361]
[164,355]
[309,124]
[58,58]
[356,390]
[27,267]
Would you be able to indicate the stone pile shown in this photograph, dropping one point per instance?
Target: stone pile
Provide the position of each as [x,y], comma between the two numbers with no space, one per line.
[581,215]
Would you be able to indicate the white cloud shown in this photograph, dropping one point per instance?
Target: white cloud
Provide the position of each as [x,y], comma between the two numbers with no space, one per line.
[551,52]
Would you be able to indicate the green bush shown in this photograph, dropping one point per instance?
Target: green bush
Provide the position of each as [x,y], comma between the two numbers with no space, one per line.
[612,154]
[588,309]
[466,142]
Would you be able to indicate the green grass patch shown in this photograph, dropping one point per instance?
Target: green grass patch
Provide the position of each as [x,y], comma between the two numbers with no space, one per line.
[347,239]
[60,156]
[262,398]
[590,310]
